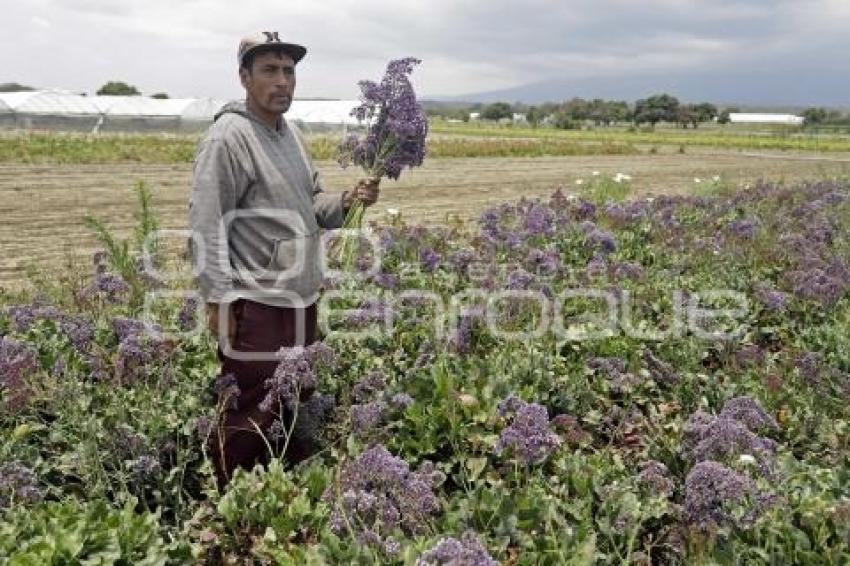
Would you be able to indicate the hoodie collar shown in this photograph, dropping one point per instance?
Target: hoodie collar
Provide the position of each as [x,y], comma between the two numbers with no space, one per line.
[241,108]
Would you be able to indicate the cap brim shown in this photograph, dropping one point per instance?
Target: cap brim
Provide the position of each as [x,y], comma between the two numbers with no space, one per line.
[297,52]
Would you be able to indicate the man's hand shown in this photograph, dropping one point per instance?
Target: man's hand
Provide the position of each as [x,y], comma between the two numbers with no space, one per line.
[213,321]
[366,191]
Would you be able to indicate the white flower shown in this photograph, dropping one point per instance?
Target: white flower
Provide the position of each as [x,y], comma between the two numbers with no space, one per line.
[697,180]
[716,178]
[393,211]
[579,181]
[746,459]
[595,173]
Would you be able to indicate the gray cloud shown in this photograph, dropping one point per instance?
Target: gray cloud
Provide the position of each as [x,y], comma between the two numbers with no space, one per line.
[187,48]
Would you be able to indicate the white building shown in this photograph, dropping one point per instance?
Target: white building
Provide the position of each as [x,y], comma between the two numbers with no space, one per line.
[786,119]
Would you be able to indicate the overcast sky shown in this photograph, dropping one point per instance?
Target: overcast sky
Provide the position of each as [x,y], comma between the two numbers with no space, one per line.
[187,47]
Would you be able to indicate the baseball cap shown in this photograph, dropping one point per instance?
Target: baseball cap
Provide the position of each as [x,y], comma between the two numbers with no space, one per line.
[266,39]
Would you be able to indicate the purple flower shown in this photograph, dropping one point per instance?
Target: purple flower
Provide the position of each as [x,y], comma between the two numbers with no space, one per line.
[712,491]
[125,328]
[661,371]
[187,318]
[539,220]
[386,280]
[725,439]
[597,238]
[17,362]
[747,411]
[462,337]
[401,401]
[396,125]
[809,366]
[370,311]
[819,285]
[80,331]
[596,266]
[628,270]
[365,418]
[429,259]
[378,494]
[817,374]
[468,551]
[18,484]
[295,378]
[585,210]
[109,287]
[744,229]
[140,347]
[544,263]
[369,387]
[520,279]
[655,478]
[609,366]
[461,259]
[773,300]
[528,436]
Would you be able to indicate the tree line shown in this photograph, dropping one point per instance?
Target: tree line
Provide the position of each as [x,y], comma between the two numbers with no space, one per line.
[652,110]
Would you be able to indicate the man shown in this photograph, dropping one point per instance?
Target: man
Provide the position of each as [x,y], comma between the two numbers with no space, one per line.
[256,211]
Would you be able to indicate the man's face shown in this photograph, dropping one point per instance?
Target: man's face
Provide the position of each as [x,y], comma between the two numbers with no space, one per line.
[270,82]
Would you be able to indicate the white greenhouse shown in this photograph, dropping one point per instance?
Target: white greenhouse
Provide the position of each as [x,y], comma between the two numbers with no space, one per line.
[786,119]
[66,111]
[50,110]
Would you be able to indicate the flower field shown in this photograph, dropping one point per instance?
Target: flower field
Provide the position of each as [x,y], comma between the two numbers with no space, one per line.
[570,380]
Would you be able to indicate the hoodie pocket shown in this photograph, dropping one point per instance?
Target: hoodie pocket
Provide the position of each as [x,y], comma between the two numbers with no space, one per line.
[296,264]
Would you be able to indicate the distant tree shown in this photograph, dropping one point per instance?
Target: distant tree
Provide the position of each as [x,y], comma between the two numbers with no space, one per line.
[695,114]
[705,112]
[118,88]
[599,111]
[497,111]
[578,109]
[14,87]
[657,108]
[563,121]
[534,115]
[815,116]
[725,116]
[160,96]
[686,115]
[619,111]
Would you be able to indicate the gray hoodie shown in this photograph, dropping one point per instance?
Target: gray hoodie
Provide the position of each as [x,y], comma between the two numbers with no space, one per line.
[256,210]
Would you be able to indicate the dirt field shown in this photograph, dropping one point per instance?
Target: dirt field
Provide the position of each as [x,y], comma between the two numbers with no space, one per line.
[42,206]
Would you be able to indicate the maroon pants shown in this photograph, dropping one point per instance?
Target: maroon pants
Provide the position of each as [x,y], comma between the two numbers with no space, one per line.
[236,442]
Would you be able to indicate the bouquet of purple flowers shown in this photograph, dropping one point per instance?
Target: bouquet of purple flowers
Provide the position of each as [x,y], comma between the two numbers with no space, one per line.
[396,127]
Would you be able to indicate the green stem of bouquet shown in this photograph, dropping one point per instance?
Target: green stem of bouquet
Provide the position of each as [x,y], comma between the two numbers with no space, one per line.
[354,218]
